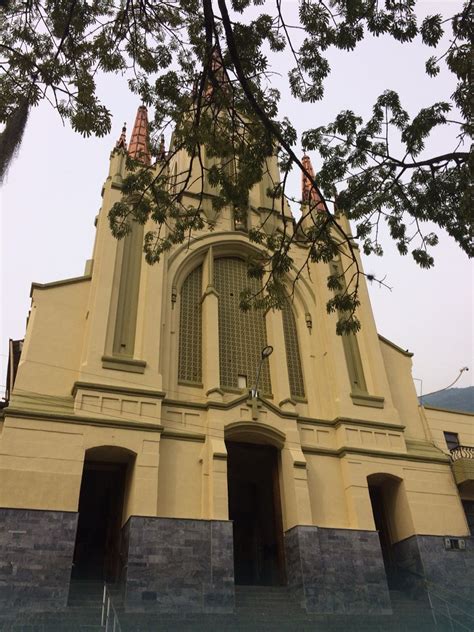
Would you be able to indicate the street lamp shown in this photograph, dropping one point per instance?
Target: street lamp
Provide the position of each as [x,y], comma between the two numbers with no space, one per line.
[266,352]
[461,371]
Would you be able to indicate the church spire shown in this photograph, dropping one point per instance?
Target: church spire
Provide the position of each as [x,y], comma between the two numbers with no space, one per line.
[309,195]
[138,148]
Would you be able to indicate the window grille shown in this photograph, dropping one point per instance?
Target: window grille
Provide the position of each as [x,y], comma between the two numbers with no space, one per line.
[190,329]
[242,335]
[295,374]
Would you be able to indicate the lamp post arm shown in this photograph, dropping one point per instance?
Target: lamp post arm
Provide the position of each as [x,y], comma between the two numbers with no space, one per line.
[255,389]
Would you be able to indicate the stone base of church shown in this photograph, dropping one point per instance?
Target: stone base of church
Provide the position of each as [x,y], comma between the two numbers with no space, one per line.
[432,568]
[178,565]
[337,571]
[36,553]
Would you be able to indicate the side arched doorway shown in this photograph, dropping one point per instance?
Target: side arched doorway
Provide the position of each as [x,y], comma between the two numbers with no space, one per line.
[255,510]
[388,500]
[103,487]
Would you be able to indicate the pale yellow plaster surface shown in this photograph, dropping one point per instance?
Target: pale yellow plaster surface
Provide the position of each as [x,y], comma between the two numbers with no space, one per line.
[72,395]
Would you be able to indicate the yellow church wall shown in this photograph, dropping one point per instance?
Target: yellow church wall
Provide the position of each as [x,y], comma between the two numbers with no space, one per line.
[53,341]
[329,444]
[434,500]
[41,463]
[326,487]
[103,297]
[398,365]
[440,420]
[331,364]
[180,479]
[427,501]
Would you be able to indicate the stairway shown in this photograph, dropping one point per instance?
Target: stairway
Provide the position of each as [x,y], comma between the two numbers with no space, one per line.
[274,608]
[258,609]
[83,613]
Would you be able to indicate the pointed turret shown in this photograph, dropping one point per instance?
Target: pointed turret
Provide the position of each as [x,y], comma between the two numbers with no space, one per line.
[162,150]
[138,148]
[122,141]
[309,195]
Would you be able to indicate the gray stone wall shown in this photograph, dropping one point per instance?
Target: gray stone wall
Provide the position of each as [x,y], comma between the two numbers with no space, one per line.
[36,552]
[449,572]
[178,565]
[337,570]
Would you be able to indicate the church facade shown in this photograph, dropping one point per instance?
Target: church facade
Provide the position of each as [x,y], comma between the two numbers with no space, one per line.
[135,449]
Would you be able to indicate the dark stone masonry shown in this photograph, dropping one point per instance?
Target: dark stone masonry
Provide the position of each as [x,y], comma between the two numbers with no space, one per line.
[448,572]
[36,551]
[178,565]
[337,570]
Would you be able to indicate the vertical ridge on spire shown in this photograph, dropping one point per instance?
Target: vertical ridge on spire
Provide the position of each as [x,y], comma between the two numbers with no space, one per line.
[138,147]
[309,195]
[122,141]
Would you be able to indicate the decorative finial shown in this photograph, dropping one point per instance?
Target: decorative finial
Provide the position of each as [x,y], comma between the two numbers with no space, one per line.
[162,149]
[138,147]
[122,141]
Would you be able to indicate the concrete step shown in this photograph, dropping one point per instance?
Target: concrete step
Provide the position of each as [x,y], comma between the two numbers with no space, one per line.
[258,609]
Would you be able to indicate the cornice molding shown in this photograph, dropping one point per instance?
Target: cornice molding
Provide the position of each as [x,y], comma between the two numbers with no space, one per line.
[71,281]
[122,390]
[399,456]
[85,421]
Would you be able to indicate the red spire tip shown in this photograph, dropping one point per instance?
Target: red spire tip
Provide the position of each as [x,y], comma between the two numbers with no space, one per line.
[138,147]
[309,195]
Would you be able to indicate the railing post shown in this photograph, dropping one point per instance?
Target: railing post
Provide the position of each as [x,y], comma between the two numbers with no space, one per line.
[449,616]
[102,618]
[108,614]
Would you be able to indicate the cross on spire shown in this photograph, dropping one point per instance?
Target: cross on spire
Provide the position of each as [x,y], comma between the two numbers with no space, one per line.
[122,141]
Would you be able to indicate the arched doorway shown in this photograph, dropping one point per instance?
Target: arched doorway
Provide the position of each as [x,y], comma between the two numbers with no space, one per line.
[386,497]
[255,509]
[101,499]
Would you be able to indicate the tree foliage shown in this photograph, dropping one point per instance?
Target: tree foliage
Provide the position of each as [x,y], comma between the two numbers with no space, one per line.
[205,69]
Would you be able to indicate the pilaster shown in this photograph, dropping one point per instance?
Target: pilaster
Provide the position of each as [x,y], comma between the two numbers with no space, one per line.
[297,505]
[278,363]
[210,329]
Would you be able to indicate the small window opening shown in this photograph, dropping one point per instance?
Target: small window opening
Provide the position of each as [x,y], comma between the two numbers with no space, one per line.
[452,440]
[242,381]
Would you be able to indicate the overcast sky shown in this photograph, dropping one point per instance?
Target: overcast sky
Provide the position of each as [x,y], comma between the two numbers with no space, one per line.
[52,195]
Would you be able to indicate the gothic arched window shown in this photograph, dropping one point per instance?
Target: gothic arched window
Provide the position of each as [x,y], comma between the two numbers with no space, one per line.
[190,329]
[295,373]
[242,335]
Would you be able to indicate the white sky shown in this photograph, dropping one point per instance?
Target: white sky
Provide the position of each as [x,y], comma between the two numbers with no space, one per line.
[52,195]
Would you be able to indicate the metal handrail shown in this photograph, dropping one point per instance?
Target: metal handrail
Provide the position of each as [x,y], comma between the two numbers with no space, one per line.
[462,452]
[451,617]
[109,618]
[431,590]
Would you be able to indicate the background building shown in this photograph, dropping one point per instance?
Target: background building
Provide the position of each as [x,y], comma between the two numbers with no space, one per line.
[131,448]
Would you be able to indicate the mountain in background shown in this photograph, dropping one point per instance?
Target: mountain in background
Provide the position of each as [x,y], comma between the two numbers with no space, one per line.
[454,398]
